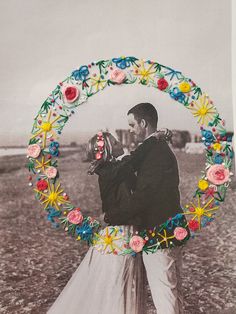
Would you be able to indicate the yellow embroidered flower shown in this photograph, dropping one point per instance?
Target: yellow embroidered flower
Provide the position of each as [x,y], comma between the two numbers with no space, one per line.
[46,128]
[199,211]
[145,74]
[43,164]
[98,82]
[203,185]
[216,146]
[203,109]
[184,87]
[53,198]
[165,238]
[108,240]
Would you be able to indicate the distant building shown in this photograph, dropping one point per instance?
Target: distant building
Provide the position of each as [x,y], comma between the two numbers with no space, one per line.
[73,144]
[194,148]
[180,138]
[126,138]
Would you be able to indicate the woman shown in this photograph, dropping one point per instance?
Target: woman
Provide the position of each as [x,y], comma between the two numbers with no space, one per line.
[107,283]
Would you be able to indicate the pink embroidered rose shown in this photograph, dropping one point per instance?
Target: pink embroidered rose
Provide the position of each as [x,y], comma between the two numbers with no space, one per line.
[75,216]
[180,233]
[137,243]
[118,76]
[218,174]
[34,150]
[71,93]
[51,172]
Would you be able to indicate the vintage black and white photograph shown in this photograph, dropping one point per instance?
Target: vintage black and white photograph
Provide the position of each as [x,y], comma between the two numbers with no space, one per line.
[116,157]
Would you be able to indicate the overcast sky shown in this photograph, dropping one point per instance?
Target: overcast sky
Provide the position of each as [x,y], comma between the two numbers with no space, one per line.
[43,41]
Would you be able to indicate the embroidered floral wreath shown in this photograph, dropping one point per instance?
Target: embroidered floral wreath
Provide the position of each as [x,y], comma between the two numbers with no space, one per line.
[43,151]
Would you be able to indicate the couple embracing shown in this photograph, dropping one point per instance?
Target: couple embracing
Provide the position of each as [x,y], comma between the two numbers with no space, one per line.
[138,192]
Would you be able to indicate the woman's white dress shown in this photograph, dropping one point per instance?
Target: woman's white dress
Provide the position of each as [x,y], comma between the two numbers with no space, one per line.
[104,284]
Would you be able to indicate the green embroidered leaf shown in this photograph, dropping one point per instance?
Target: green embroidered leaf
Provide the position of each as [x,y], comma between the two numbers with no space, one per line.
[45,107]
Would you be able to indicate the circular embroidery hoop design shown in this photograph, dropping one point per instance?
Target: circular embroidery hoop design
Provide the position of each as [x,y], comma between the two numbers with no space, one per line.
[76,89]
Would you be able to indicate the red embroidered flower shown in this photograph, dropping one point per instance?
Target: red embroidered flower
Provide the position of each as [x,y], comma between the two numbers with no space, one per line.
[193,225]
[162,84]
[210,192]
[71,93]
[42,185]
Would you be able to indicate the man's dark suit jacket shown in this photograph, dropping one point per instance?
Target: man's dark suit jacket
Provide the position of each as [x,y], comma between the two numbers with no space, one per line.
[156,196]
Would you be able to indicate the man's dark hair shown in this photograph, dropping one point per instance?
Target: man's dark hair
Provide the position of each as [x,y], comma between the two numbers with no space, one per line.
[145,111]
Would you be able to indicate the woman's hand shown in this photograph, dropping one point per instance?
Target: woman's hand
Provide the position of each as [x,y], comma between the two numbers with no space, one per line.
[103,220]
[165,134]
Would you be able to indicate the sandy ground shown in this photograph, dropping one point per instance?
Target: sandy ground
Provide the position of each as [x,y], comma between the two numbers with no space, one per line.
[37,260]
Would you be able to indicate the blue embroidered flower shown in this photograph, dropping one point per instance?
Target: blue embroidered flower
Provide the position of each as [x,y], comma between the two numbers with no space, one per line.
[205,221]
[85,232]
[229,139]
[218,159]
[176,94]
[173,222]
[53,148]
[173,73]
[52,213]
[178,216]
[81,74]
[124,62]
[208,137]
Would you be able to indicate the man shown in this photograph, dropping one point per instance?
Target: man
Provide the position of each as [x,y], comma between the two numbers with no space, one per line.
[155,199]
[156,196]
